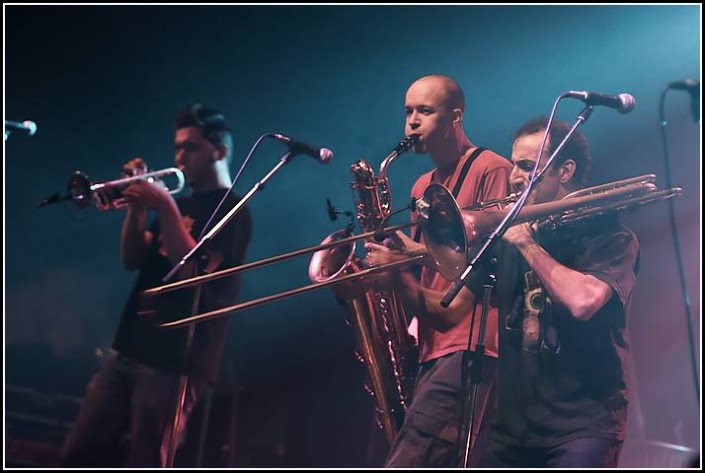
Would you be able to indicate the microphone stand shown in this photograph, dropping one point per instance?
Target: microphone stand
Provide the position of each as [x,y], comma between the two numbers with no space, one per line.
[511,215]
[469,396]
[677,249]
[183,379]
[469,392]
[218,226]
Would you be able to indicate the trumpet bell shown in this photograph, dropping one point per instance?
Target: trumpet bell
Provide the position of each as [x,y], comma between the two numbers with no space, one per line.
[79,189]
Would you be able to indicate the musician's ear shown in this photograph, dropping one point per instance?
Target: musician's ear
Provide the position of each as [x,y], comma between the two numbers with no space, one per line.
[221,152]
[566,171]
[457,115]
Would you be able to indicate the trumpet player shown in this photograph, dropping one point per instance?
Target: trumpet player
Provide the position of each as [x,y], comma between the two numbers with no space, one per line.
[563,302]
[133,395]
[435,108]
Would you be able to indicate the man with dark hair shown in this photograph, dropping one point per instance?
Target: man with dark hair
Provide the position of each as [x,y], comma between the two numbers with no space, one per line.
[435,108]
[575,149]
[563,297]
[135,391]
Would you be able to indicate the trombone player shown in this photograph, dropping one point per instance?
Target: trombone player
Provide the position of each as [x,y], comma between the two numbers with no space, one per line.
[563,301]
[134,393]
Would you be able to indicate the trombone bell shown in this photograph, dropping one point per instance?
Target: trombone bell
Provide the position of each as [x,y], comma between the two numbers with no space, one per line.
[448,230]
[444,238]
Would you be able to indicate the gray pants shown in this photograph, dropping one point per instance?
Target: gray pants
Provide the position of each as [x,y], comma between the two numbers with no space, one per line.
[429,436]
[127,398]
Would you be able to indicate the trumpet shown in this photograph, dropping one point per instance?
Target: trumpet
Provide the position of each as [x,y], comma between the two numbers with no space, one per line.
[108,195]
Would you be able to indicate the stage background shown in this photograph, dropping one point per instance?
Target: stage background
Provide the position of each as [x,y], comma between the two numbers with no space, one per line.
[103,84]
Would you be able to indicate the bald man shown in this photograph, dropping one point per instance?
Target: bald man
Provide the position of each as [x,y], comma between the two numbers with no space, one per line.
[435,109]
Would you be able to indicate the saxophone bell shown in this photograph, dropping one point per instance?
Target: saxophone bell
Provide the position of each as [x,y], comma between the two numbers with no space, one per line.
[336,261]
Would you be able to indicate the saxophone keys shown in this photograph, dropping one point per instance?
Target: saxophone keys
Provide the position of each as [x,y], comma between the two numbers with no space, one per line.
[359,356]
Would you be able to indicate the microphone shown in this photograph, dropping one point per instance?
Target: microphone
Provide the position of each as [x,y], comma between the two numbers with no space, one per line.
[322,155]
[55,198]
[623,103]
[691,86]
[687,84]
[332,213]
[28,127]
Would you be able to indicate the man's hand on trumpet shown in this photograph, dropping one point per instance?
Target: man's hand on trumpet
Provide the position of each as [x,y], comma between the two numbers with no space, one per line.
[150,195]
[134,167]
[142,193]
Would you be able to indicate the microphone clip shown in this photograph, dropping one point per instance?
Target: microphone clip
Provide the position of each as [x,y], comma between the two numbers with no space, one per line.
[333,216]
[380,234]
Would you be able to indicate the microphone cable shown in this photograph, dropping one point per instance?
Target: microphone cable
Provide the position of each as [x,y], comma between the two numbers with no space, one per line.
[676,246]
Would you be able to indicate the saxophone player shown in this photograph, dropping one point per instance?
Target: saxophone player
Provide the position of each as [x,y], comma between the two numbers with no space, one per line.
[435,108]
[563,301]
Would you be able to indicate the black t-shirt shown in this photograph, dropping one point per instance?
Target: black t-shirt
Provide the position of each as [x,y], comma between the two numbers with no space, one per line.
[561,378]
[138,337]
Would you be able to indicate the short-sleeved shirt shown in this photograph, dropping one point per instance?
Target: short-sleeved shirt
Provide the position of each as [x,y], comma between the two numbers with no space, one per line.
[140,339]
[487,178]
[561,378]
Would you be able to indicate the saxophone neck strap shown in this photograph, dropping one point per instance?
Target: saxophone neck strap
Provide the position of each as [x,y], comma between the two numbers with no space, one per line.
[458,184]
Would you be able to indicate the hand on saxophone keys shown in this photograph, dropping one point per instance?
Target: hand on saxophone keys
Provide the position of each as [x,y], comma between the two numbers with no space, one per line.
[379,254]
[395,248]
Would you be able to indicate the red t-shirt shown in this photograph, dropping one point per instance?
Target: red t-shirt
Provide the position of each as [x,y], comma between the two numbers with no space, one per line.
[487,178]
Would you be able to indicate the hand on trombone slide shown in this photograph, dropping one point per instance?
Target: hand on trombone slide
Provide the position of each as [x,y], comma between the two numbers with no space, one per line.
[521,235]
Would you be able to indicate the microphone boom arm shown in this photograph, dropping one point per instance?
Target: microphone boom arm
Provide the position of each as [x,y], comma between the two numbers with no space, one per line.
[229,216]
[512,214]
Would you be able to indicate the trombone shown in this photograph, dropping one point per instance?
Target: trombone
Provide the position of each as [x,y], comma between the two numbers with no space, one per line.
[447,232]
[321,254]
